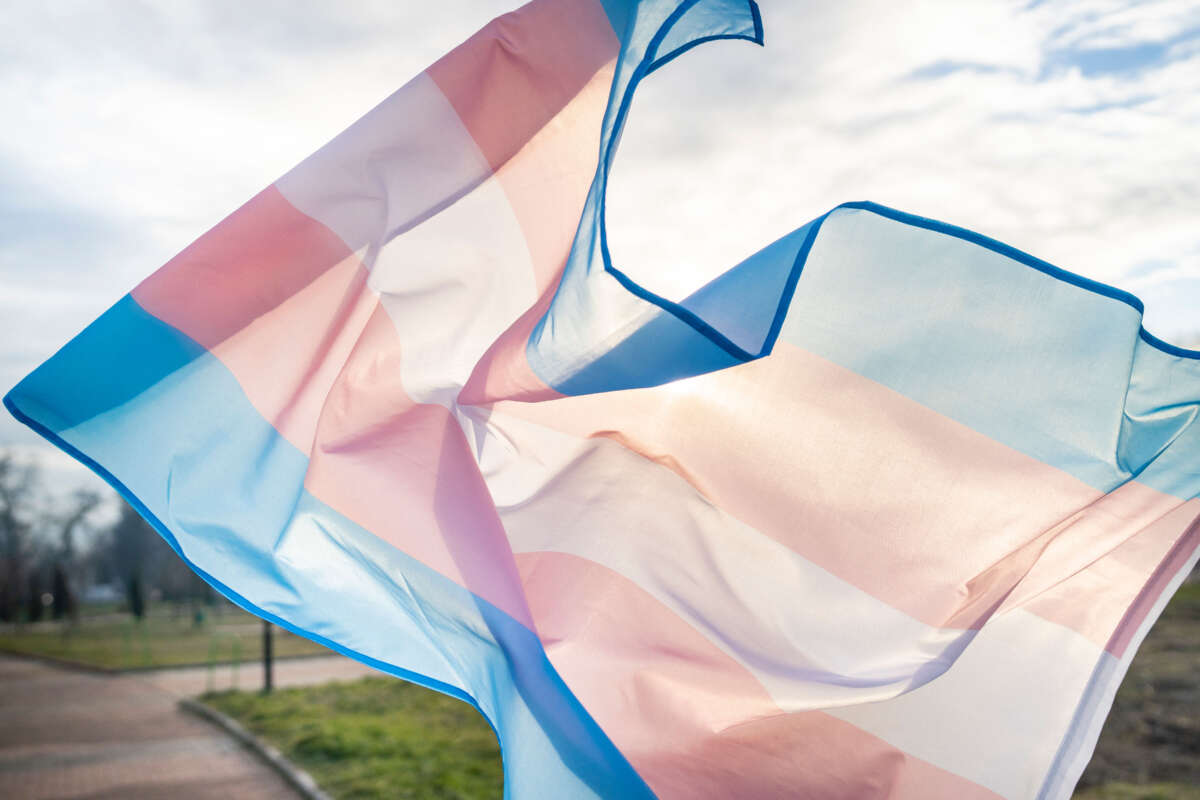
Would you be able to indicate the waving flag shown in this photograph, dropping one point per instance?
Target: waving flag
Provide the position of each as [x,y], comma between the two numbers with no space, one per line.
[882,511]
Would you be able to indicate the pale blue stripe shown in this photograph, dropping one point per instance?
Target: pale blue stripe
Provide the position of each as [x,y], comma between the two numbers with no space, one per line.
[1049,367]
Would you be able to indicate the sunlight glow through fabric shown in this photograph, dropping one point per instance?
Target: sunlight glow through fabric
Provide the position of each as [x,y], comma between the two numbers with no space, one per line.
[883,511]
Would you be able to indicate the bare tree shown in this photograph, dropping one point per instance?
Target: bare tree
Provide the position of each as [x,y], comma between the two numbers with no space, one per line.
[16,523]
[67,565]
[137,553]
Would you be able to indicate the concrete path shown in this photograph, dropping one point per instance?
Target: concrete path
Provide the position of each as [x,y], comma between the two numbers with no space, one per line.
[71,734]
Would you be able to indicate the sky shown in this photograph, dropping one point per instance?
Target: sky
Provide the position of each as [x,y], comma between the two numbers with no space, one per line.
[1066,129]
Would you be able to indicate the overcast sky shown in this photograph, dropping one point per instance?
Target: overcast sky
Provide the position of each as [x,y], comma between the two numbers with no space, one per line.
[1068,129]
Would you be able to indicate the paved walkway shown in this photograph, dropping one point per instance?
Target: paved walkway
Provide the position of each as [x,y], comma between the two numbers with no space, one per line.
[71,734]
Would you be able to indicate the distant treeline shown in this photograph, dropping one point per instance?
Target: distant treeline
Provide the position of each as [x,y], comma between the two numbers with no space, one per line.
[54,554]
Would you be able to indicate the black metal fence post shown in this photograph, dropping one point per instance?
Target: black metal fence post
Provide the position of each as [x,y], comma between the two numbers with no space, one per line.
[268,657]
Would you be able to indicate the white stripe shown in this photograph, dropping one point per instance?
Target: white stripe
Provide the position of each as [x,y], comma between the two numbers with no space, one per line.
[451,286]
[747,593]
[445,250]
[405,159]
[997,716]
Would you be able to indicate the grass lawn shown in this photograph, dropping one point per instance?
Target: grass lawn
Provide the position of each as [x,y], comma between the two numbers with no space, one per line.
[384,738]
[376,738]
[162,639]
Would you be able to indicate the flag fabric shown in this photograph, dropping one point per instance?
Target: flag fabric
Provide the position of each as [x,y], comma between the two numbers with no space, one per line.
[882,511]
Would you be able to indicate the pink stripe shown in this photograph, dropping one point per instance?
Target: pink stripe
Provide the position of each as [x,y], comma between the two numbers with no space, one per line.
[504,370]
[1177,559]
[916,509]
[546,184]
[692,721]
[287,359]
[547,181]
[518,71]
[803,755]
[405,472]
[249,263]
[1094,571]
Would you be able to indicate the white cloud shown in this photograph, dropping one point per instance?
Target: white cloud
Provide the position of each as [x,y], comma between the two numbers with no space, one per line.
[1114,24]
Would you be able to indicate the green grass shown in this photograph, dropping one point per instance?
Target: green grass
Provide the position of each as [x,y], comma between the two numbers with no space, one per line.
[375,738]
[116,641]
[1150,791]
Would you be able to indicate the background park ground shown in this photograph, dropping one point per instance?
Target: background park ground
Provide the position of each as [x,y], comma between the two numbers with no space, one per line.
[167,636]
[381,737]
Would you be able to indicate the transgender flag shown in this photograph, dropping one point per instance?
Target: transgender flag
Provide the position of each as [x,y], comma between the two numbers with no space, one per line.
[881,512]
